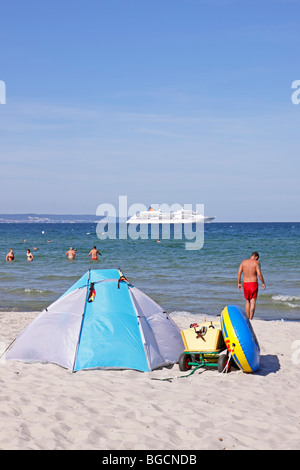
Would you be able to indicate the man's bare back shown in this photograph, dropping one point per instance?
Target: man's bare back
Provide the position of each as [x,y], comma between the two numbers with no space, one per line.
[94,252]
[71,253]
[251,269]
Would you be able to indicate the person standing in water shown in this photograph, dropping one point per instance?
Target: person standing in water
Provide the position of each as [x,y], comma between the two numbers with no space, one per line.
[94,252]
[10,255]
[71,253]
[250,268]
[29,255]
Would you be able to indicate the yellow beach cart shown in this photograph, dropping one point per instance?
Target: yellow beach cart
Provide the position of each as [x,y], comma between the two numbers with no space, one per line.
[204,344]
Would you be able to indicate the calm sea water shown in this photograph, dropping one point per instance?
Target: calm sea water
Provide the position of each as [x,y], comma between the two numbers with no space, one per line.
[201,282]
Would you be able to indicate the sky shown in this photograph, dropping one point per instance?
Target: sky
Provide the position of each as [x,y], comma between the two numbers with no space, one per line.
[163,101]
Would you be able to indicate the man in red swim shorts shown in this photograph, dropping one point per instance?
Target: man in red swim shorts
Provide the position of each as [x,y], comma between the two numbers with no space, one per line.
[94,252]
[251,270]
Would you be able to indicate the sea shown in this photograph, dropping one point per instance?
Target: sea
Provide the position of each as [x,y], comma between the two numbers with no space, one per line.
[199,282]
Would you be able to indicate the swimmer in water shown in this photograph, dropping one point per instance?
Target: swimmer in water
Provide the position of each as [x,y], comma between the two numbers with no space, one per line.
[29,255]
[94,252]
[10,255]
[71,253]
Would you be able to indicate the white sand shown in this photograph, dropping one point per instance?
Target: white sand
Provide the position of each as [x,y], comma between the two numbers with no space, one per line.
[47,407]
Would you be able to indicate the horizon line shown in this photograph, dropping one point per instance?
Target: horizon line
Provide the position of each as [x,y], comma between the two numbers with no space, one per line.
[35,214]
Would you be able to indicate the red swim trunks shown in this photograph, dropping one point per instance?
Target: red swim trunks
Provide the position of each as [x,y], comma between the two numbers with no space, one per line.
[250,290]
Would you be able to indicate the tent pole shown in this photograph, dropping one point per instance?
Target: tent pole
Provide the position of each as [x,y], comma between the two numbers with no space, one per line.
[83,313]
[8,347]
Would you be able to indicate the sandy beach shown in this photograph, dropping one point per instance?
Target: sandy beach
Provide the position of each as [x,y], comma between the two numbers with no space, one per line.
[44,406]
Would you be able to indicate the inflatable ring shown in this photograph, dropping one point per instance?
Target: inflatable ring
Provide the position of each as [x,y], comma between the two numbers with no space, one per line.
[240,338]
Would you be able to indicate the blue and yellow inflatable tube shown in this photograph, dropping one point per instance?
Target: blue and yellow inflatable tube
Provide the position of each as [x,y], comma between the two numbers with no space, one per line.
[240,338]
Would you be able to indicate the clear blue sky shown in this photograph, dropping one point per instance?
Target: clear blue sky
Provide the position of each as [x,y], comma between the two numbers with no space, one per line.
[165,101]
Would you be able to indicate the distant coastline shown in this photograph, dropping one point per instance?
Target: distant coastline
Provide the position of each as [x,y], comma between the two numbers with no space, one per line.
[32,218]
[47,218]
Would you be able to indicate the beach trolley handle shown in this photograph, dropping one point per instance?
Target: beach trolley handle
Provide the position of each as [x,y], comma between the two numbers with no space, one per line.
[199,359]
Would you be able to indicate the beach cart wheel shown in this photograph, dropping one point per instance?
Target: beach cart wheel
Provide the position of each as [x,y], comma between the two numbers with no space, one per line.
[223,363]
[184,360]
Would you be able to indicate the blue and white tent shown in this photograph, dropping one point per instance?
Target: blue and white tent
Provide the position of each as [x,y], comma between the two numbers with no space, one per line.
[101,322]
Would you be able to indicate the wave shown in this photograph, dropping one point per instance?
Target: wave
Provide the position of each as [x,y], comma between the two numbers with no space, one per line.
[56,277]
[6,276]
[31,292]
[34,291]
[292,301]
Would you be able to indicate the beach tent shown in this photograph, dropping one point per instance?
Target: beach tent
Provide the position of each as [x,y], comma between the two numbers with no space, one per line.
[102,321]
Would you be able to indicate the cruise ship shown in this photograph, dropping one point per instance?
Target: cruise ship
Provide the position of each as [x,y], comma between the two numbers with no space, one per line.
[182,216]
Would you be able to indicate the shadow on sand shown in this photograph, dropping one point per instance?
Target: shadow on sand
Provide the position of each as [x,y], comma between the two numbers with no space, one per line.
[269,364]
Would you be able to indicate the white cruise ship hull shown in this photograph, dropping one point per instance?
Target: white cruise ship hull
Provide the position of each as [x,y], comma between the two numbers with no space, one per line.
[139,220]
